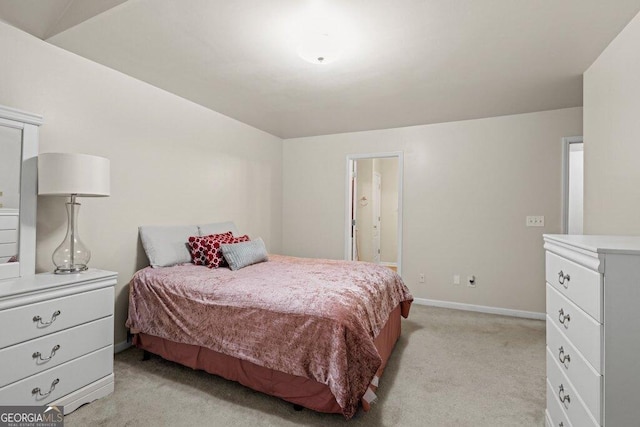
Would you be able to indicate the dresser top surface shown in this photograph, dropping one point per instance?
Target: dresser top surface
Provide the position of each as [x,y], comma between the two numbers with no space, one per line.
[47,281]
[599,244]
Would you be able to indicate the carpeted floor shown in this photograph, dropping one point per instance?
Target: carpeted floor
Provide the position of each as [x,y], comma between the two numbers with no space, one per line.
[449,368]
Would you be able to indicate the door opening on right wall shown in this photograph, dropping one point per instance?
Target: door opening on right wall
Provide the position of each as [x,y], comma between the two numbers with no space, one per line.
[573,185]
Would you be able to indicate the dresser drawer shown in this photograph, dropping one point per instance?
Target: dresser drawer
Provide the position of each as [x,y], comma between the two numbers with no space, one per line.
[577,326]
[579,284]
[586,380]
[563,392]
[55,315]
[8,249]
[8,236]
[555,414]
[59,381]
[8,222]
[54,349]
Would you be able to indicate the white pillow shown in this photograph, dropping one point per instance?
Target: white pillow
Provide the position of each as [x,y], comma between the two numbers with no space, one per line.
[167,245]
[218,228]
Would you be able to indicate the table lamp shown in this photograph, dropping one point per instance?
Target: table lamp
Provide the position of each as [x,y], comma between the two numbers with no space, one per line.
[72,175]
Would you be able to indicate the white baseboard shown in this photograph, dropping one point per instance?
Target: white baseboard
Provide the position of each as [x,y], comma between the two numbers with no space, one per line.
[121,346]
[480,308]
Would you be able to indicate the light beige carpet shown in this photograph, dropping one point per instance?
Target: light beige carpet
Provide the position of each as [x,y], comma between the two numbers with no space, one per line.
[449,368]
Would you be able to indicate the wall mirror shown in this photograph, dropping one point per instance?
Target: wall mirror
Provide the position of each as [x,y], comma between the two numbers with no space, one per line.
[18,192]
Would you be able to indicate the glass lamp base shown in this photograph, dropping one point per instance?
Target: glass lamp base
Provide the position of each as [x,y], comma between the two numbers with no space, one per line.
[71,269]
[72,256]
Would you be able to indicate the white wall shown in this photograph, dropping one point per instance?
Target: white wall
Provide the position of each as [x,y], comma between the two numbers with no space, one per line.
[612,137]
[389,210]
[172,161]
[468,187]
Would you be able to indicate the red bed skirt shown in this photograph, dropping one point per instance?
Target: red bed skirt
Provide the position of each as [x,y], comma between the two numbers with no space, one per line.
[298,390]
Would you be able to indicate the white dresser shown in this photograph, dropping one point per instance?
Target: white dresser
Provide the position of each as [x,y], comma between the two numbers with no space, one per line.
[593,330]
[56,339]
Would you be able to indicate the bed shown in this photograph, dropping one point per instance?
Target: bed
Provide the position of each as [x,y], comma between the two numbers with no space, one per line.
[316,333]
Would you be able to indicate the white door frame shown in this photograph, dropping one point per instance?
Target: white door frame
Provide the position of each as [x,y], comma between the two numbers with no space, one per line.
[348,244]
[566,142]
[353,204]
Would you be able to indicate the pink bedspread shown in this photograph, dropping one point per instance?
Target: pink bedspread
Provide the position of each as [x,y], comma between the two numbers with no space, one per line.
[307,317]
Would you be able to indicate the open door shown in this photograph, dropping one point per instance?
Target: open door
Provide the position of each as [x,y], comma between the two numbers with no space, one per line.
[376,190]
[353,241]
[373,226]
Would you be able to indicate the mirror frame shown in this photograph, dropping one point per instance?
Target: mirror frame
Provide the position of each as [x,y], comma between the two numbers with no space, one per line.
[29,124]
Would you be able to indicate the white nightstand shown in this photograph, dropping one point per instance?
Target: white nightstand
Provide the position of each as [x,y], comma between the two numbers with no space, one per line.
[56,339]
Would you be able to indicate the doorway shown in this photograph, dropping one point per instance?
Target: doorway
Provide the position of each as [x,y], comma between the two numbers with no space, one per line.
[573,185]
[373,226]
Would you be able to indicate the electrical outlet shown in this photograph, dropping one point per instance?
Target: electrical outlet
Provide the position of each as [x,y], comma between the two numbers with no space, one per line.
[535,221]
[471,281]
[456,279]
[421,278]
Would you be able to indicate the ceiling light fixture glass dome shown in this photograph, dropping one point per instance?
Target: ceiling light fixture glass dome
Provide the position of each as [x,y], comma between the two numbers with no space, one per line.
[320,48]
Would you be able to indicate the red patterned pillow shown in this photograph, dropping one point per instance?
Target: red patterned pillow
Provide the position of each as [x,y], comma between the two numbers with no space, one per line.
[205,250]
[201,247]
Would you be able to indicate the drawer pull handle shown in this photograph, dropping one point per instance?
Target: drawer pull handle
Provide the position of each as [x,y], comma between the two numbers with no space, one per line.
[562,278]
[38,355]
[564,398]
[38,319]
[564,318]
[39,392]
[564,358]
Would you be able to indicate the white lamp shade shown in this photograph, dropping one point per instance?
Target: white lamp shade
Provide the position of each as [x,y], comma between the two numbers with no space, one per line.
[63,174]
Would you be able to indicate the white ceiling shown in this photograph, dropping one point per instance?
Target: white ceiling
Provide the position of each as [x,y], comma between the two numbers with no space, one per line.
[46,18]
[408,62]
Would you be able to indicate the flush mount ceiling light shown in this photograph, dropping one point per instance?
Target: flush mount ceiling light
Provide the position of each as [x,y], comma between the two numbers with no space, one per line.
[320,48]
[321,32]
